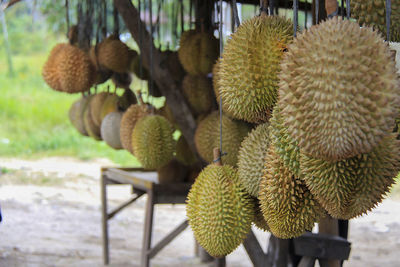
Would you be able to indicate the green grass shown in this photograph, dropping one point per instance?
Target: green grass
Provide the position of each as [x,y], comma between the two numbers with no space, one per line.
[34,118]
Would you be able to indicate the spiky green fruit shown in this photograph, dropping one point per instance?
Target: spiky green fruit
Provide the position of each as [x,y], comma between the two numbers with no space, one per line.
[249,67]
[285,146]
[183,152]
[288,206]
[219,210]
[197,90]
[351,187]
[251,158]
[259,220]
[373,13]
[76,115]
[109,129]
[207,137]
[198,52]
[339,95]
[128,122]
[152,141]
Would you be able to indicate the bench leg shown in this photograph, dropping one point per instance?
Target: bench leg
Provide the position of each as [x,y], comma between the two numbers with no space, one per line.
[104,220]
[148,227]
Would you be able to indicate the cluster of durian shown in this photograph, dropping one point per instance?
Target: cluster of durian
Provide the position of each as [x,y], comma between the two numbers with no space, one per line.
[325,104]
[373,13]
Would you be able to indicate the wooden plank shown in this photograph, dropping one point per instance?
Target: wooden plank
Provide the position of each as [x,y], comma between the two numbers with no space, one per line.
[307,262]
[125,178]
[166,240]
[123,205]
[254,250]
[322,246]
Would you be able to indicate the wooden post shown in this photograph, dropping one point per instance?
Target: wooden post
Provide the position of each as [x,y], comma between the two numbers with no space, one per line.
[148,227]
[329,226]
[6,43]
[104,219]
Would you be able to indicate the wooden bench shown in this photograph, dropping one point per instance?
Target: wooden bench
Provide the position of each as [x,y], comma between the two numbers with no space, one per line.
[142,182]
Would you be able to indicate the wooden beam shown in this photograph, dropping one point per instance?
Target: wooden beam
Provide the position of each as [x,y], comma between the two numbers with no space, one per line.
[161,74]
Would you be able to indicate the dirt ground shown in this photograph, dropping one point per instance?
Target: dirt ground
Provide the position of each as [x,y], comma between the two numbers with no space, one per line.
[51,217]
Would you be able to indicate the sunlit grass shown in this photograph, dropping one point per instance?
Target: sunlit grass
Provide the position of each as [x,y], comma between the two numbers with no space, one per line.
[34,118]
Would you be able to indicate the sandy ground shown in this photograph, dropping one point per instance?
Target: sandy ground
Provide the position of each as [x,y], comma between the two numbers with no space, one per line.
[51,217]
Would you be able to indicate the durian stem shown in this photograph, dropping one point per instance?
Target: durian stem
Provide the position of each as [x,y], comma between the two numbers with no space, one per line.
[217,157]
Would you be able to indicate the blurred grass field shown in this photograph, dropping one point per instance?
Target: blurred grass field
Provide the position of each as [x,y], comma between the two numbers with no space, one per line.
[34,118]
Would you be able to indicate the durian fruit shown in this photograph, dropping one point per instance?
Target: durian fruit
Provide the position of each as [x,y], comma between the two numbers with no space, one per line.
[170,59]
[76,115]
[197,90]
[152,141]
[127,99]
[285,146]
[50,71]
[91,128]
[339,92]
[172,172]
[183,153]
[96,104]
[251,158]
[166,112]
[259,220]
[215,79]
[134,67]
[207,137]
[102,73]
[114,55]
[198,52]
[249,67]
[288,206]
[128,122]
[109,129]
[351,187]
[219,210]
[111,104]
[74,69]
[373,13]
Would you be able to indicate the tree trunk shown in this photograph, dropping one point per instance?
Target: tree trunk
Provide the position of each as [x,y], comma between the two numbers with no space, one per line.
[162,75]
[7,44]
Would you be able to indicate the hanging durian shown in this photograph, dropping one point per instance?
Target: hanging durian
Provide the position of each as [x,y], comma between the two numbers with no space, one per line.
[219,210]
[91,128]
[110,104]
[197,90]
[50,72]
[109,129]
[96,104]
[251,158]
[351,187]
[76,114]
[373,13]
[198,52]
[207,137]
[288,206]
[114,55]
[339,92]
[249,67]
[183,152]
[152,141]
[128,122]
[259,220]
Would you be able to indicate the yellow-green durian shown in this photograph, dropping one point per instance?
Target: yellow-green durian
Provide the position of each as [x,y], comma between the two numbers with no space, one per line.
[198,52]
[207,137]
[285,146]
[128,122]
[251,158]
[109,129]
[183,152]
[339,92]
[249,67]
[351,187]
[219,210]
[259,220]
[288,206]
[197,89]
[110,104]
[373,13]
[152,141]
[76,115]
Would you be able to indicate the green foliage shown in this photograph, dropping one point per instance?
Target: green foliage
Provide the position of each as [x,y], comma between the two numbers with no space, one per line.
[35,118]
